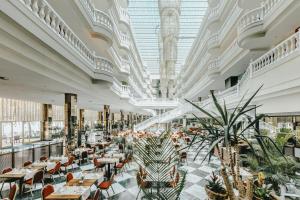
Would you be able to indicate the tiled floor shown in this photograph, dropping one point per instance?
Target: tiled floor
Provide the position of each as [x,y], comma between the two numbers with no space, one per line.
[125,186]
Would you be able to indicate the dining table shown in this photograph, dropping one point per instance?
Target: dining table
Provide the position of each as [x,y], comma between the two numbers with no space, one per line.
[108,162]
[21,174]
[70,193]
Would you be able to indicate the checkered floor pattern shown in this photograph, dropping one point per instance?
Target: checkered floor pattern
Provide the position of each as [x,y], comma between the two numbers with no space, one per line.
[125,186]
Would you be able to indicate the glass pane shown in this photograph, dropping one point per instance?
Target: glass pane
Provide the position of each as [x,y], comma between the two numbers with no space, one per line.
[26,132]
[17,133]
[35,131]
[6,134]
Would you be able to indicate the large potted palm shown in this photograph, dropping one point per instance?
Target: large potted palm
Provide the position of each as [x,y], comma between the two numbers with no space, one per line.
[225,130]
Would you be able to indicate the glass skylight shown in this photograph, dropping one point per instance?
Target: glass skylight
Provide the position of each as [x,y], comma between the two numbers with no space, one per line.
[145,20]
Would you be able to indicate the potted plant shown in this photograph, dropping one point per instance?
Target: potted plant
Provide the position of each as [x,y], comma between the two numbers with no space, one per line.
[215,189]
[263,192]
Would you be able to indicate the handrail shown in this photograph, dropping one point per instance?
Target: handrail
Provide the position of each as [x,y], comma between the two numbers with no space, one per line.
[44,12]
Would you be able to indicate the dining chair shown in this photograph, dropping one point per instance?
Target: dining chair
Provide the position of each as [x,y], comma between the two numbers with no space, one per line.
[96,195]
[43,158]
[183,157]
[55,170]
[47,190]
[105,185]
[98,165]
[143,185]
[69,163]
[84,157]
[12,192]
[6,180]
[69,177]
[173,182]
[120,167]
[27,163]
[38,177]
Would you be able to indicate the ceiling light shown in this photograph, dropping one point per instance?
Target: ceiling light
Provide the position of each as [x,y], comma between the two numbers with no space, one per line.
[4,78]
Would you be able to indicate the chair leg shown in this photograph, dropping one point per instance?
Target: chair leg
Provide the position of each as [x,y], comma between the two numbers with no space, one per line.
[138,194]
[112,189]
[107,193]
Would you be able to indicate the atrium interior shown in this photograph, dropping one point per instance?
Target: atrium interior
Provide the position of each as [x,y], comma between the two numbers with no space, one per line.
[150,99]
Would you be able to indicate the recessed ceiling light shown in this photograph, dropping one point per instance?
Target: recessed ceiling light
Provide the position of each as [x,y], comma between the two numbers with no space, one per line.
[4,78]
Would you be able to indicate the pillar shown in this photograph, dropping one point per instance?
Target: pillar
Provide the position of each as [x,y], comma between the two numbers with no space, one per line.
[100,119]
[106,118]
[122,120]
[112,119]
[81,119]
[46,121]
[71,121]
[128,121]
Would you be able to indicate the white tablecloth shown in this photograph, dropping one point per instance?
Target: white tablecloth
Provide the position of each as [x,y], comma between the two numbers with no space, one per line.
[62,159]
[29,173]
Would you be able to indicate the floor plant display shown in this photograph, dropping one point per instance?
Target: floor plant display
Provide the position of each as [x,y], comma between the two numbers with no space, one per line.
[158,176]
[224,131]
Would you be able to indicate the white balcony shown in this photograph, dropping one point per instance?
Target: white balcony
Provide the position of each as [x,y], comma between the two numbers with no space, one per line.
[122,13]
[214,14]
[258,27]
[63,39]
[121,90]
[100,22]
[155,103]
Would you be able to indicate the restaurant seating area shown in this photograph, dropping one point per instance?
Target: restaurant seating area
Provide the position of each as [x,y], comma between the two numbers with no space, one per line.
[149,99]
[110,172]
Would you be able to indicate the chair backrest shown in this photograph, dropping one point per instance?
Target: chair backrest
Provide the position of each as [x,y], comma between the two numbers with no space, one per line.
[111,180]
[69,176]
[13,192]
[27,163]
[57,167]
[95,161]
[43,158]
[97,195]
[6,170]
[84,154]
[177,178]
[38,177]
[47,190]
[71,160]
[183,155]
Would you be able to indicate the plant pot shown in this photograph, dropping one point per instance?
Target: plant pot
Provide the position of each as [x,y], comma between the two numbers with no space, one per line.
[215,196]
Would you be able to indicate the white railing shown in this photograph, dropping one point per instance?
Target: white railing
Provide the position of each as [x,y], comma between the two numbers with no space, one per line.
[125,66]
[162,103]
[214,66]
[215,12]
[120,89]
[213,41]
[282,50]
[250,19]
[97,16]
[256,16]
[44,12]
[125,40]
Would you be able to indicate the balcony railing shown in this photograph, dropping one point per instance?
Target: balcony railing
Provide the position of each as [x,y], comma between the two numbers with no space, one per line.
[282,50]
[256,16]
[120,89]
[45,13]
[279,52]
[98,17]
[215,12]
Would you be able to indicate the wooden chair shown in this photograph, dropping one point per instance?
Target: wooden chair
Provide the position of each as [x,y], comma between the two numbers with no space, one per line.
[120,167]
[47,190]
[43,158]
[55,170]
[98,165]
[6,180]
[27,163]
[143,185]
[174,182]
[105,185]
[183,157]
[69,163]
[84,157]
[12,192]
[96,195]
[69,177]
[38,177]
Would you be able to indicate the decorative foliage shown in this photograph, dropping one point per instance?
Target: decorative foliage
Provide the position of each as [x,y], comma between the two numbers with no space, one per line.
[215,184]
[158,157]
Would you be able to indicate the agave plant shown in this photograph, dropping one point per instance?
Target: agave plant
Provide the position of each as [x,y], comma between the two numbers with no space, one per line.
[158,156]
[227,128]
